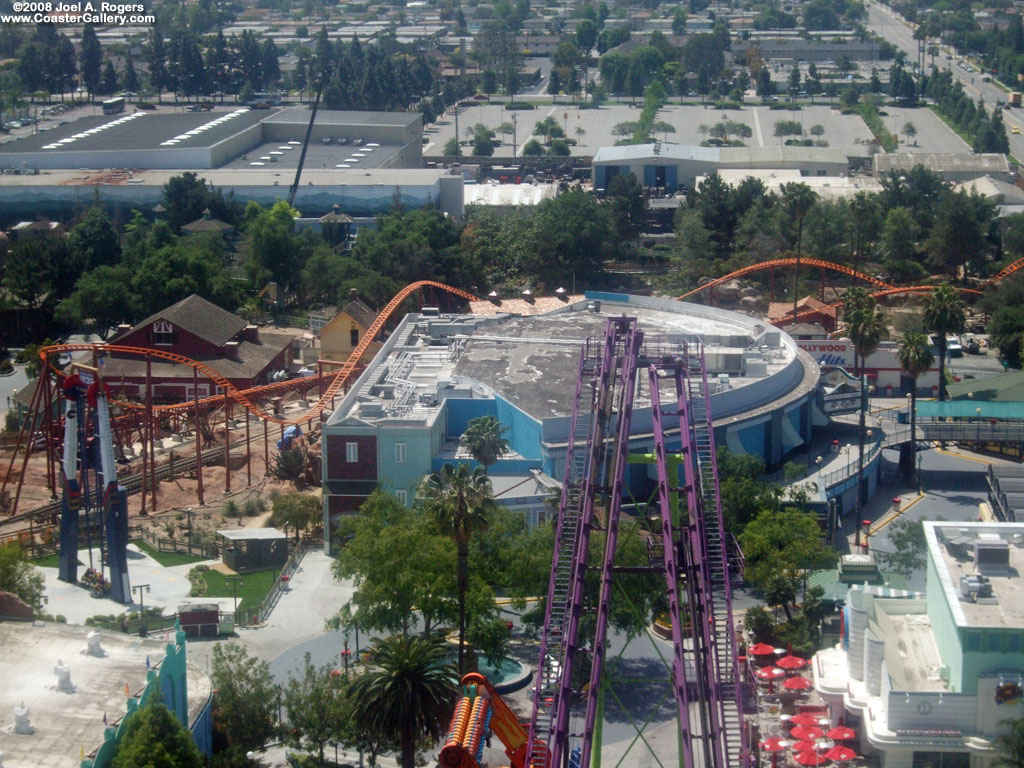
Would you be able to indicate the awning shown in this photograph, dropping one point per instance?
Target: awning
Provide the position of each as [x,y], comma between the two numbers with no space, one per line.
[968,409]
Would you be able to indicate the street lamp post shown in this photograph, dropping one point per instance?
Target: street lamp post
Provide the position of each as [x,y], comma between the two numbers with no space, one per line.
[918,474]
[235,584]
[142,589]
[978,434]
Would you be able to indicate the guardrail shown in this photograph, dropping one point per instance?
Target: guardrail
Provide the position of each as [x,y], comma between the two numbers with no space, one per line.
[281,584]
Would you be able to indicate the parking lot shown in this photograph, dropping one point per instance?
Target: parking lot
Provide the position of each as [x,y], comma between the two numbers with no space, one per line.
[933,135]
[594,128]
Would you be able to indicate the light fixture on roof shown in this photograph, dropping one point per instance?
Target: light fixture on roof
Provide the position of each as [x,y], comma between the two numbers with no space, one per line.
[493,297]
[527,295]
[560,293]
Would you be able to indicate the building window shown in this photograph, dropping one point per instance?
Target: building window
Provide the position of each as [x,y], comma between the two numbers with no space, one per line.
[352,453]
[402,496]
[399,453]
[995,641]
[974,641]
[163,333]
[1014,642]
[353,336]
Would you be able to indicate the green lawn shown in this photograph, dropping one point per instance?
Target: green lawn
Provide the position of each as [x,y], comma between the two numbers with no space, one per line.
[168,559]
[252,588]
[48,561]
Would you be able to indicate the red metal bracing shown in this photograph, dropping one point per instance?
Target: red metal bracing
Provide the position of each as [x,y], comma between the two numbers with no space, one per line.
[38,423]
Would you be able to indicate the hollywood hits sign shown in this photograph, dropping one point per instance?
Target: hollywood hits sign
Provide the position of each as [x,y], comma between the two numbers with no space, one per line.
[882,366]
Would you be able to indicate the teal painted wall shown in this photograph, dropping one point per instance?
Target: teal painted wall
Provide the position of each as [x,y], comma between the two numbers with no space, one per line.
[994,655]
[169,683]
[459,411]
[524,432]
[421,444]
[944,628]
[752,439]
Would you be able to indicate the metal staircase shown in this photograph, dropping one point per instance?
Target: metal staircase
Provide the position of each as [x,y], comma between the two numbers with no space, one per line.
[567,531]
[714,564]
[692,553]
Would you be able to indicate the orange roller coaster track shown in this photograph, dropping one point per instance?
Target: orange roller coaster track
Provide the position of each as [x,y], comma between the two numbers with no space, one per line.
[790,263]
[243,397]
[246,398]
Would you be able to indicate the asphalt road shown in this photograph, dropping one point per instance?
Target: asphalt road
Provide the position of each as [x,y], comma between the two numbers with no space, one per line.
[897,31]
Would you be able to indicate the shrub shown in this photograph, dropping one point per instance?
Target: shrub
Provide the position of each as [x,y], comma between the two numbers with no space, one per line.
[11,423]
[288,465]
[231,509]
[6,366]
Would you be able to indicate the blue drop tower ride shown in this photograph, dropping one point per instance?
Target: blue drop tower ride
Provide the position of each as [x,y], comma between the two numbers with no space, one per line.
[93,502]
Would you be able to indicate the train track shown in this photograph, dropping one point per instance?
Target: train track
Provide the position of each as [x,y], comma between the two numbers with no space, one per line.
[133,483]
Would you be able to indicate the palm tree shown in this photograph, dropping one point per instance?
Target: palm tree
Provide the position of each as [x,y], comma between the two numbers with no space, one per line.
[798,199]
[483,438]
[408,695]
[943,314]
[864,211]
[460,502]
[856,299]
[1010,744]
[866,328]
[915,356]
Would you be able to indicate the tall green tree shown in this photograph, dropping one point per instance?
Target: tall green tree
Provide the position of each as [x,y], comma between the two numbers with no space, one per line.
[915,356]
[784,543]
[296,510]
[19,577]
[483,439]
[460,502]
[90,59]
[245,702]
[315,703]
[155,738]
[943,314]
[408,695]
[399,564]
[797,200]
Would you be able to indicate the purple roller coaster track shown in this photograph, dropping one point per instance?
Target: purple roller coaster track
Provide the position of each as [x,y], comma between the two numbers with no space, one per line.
[694,557]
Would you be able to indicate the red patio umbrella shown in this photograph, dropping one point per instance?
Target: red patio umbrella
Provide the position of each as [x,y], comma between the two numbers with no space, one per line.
[840,753]
[806,732]
[791,662]
[760,649]
[842,733]
[774,744]
[810,758]
[804,746]
[797,684]
[805,718]
[769,673]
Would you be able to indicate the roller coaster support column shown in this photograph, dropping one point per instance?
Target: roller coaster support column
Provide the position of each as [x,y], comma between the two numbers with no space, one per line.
[248,454]
[266,449]
[147,427]
[51,446]
[227,443]
[71,501]
[154,429]
[199,439]
[115,502]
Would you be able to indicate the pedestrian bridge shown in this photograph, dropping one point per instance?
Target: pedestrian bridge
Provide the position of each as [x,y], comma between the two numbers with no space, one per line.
[960,421]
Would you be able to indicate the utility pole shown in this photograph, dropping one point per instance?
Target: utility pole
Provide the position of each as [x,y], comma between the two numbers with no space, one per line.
[514,126]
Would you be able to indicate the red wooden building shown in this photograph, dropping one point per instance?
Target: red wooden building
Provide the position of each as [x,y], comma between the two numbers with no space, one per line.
[202,331]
